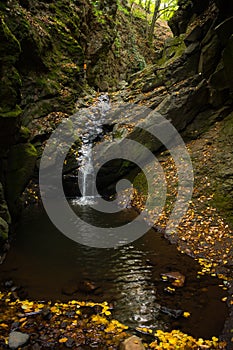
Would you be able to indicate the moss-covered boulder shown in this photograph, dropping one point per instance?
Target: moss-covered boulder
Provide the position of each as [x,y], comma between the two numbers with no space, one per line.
[21,163]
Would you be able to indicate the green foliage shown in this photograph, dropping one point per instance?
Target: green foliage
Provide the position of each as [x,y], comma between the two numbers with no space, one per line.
[117,45]
[98,13]
[166,11]
[123,9]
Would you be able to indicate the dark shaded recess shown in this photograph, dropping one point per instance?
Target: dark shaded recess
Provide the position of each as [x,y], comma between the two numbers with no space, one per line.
[30,59]
[225,7]
[25,4]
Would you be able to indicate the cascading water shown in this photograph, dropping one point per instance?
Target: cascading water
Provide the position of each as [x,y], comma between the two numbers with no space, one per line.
[93,129]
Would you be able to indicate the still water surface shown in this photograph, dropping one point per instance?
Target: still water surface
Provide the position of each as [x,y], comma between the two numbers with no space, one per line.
[48,265]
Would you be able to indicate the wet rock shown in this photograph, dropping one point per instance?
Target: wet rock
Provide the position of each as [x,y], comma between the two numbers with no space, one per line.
[87,287]
[70,289]
[8,284]
[46,313]
[15,326]
[70,343]
[132,343]
[17,339]
[35,347]
[169,290]
[175,277]
[171,312]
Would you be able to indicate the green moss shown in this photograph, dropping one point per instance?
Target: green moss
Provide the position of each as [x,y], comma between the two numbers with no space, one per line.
[140,184]
[24,133]
[224,203]
[10,46]
[223,196]
[227,129]
[10,84]
[174,47]
[4,229]
[11,114]
[21,163]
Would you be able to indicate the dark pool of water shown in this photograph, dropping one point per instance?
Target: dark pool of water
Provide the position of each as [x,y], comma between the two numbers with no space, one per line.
[48,265]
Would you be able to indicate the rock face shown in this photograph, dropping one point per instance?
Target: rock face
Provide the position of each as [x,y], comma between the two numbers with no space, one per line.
[17,339]
[22,158]
[44,48]
[132,343]
[190,83]
[5,217]
[46,45]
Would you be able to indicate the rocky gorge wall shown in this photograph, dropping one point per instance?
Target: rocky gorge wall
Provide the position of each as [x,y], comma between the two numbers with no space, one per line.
[190,83]
[44,46]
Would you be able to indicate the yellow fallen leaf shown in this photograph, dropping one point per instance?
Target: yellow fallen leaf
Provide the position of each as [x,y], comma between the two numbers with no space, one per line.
[63,340]
[186,314]
[3,325]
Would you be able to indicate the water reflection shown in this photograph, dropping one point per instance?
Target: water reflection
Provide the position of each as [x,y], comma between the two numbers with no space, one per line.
[50,266]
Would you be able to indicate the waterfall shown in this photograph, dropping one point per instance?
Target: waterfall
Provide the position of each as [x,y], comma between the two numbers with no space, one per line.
[93,129]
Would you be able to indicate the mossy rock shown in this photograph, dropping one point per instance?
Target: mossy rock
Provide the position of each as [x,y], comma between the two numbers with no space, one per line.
[24,134]
[9,126]
[4,229]
[10,46]
[21,164]
[14,113]
[10,84]
[173,48]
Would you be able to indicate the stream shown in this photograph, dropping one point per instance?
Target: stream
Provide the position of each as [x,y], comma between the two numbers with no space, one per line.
[47,265]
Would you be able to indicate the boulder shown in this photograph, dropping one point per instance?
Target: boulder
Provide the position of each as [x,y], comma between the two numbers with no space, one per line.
[182,107]
[210,56]
[177,279]
[132,343]
[17,339]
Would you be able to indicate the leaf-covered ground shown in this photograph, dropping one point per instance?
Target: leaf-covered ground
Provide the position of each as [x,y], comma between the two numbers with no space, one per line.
[81,325]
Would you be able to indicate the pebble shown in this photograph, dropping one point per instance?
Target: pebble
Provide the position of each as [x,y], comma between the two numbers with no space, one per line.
[132,343]
[17,339]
